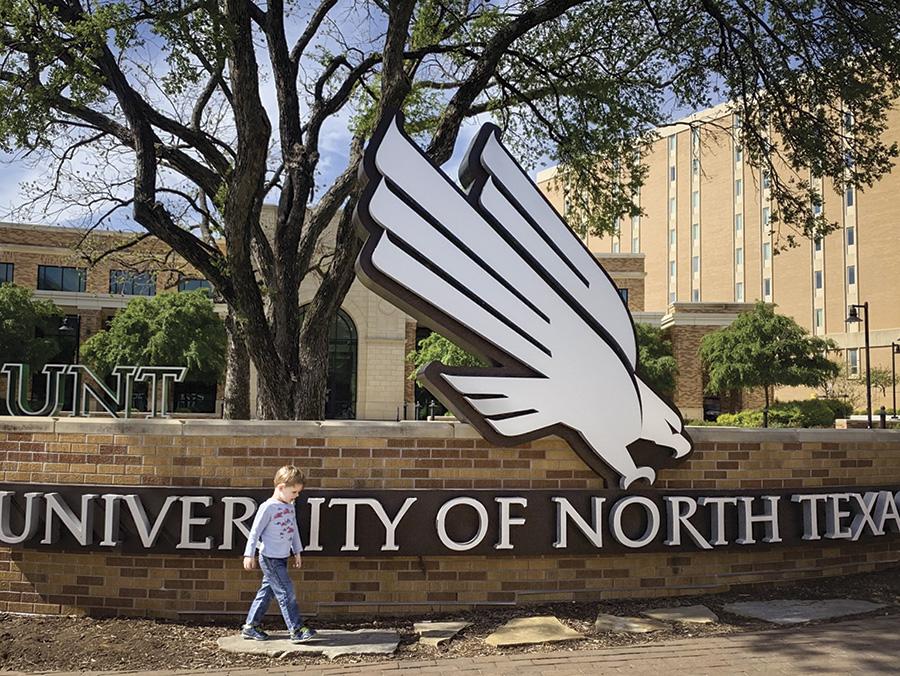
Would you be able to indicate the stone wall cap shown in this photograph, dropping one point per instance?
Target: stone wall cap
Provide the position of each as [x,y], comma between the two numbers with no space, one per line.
[713,434]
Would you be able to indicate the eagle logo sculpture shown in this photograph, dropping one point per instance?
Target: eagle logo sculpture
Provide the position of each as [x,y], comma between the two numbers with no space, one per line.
[493,267]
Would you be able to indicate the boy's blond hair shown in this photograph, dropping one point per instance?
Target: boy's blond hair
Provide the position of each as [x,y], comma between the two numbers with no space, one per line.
[290,476]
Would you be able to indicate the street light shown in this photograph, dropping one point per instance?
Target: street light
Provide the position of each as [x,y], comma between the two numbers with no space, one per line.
[853,318]
[895,350]
[72,325]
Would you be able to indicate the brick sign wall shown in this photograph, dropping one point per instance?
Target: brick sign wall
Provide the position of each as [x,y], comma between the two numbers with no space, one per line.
[38,454]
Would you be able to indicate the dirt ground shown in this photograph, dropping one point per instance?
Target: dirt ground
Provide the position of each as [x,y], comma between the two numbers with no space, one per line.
[41,643]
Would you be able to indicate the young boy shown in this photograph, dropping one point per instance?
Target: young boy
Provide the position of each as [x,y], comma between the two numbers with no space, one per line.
[275,525]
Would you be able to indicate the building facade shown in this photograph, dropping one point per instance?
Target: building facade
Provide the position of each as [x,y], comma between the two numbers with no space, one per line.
[707,240]
[369,375]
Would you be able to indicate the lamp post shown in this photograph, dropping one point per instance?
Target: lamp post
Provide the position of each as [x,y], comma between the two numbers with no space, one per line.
[853,318]
[895,350]
[72,325]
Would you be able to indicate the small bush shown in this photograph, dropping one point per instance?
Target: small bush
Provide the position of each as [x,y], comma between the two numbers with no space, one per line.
[803,413]
[840,408]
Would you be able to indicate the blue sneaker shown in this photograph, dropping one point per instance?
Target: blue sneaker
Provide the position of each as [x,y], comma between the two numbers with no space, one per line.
[253,633]
[302,635]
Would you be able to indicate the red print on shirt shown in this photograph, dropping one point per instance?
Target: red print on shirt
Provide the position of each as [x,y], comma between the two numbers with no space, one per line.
[284,520]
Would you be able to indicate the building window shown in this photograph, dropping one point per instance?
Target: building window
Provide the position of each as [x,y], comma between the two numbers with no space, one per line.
[125,283]
[671,268]
[766,216]
[672,236]
[192,284]
[695,199]
[739,292]
[6,272]
[695,264]
[623,294]
[820,318]
[672,207]
[739,256]
[738,188]
[851,275]
[819,280]
[672,172]
[817,208]
[850,196]
[738,153]
[695,295]
[817,244]
[739,222]
[767,251]
[767,287]
[695,138]
[615,245]
[58,278]
[848,120]
[695,231]
[671,296]
[672,143]
[851,235]
[635,244]
[766,180]
[695,167]
[853,361]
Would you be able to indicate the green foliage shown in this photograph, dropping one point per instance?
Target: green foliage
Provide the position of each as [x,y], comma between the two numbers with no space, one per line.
[437,348]
[802,413]
[840,386]
[21,319]
[764,349]
[840,407]
[656,365]
[881,379]
[171,329]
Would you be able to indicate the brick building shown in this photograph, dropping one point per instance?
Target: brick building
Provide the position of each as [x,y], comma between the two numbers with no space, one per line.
[370,373]
[707,242]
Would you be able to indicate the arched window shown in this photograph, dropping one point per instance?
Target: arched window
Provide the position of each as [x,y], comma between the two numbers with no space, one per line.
[340,388]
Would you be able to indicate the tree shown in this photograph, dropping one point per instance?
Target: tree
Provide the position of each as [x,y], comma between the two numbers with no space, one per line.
[764,349]
[437,348]
[171,329]
[188,145]
[841,386]
[28,327]
[656,364]
[882,379]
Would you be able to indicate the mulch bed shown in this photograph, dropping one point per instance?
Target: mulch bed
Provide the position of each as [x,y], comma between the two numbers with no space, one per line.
[43,643]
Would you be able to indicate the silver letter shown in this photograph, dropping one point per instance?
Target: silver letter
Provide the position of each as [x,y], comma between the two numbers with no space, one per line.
[442,524]
[565,510]
[650,531]
[677,519]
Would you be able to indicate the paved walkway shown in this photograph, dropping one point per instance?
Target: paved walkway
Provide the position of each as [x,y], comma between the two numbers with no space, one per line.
[870,646]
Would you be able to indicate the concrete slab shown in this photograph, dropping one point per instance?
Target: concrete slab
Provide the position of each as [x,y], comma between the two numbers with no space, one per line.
[434,633]
[686,614]
[627,625]
[528,630]
[328,642]
[791,611]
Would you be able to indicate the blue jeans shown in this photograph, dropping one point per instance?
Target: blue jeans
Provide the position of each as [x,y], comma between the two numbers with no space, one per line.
[276,582]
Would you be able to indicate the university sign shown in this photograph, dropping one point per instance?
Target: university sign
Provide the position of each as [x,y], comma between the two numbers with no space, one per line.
[417,523]
[88,387]
[492,266]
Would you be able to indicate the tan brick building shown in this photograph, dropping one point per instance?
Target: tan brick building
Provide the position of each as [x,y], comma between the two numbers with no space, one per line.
[705,238]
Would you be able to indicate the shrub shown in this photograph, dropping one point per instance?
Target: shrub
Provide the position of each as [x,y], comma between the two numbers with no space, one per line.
[802,413]
[841,408]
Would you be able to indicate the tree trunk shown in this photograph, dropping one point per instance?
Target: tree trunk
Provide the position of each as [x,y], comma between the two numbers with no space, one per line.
[311,387]
[766,409]
[237,375]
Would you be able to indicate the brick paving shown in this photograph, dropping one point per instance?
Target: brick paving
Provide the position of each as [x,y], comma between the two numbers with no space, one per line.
[869,646]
